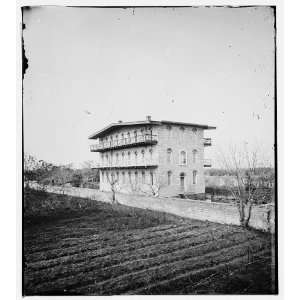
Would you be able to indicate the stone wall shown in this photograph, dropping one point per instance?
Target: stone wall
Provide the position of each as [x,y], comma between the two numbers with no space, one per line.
[201,210]
[180,138]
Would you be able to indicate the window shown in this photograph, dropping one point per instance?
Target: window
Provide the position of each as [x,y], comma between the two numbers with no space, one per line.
[150,152]
[128,158]
[107,179]
[143,177]
[194,129]
[136,177]
[182,128]
[135,136]
[182,181]
[194,177]
[143,154]
[151,178]
[194,156]
[128,136]
[117,158]
[123,177]
[169,177]
[169,155]
[106,158]
[183,158]
[117,176]
[136,157]
[129,176]
[102,177]
[123,158]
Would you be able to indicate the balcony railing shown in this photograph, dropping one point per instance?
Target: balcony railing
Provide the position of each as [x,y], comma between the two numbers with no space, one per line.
[207,141]
[139,164]
[125,142]
[207,163]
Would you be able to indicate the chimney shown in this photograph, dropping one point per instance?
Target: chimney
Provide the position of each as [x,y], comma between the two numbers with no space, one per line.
[148,118]
[120,121]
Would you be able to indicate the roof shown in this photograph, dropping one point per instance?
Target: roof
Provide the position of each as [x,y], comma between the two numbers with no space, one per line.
[113,126]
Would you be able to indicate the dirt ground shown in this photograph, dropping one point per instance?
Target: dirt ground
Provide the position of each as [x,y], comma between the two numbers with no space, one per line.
[75,246]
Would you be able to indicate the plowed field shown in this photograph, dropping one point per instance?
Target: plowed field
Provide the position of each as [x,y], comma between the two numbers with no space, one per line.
[111,250]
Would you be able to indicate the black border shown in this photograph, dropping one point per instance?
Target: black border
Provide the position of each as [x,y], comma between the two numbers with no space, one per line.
[24,63]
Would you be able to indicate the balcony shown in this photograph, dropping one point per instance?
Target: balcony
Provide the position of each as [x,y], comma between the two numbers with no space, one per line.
[129,165]
[138,140]
[207,141]
[207,163]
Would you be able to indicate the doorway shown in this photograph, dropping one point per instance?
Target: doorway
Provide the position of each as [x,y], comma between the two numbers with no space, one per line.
[182,181]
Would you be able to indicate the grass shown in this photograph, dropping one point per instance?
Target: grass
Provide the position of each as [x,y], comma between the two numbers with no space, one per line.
[75,246]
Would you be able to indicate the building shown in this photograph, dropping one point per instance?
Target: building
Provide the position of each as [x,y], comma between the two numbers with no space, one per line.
[158,157]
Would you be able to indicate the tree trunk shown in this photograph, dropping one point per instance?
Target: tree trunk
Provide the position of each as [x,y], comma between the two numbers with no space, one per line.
[245,210]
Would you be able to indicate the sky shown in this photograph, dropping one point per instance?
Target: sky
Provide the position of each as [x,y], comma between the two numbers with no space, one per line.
[89,67]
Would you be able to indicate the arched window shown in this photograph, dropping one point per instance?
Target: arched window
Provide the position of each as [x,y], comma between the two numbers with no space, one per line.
[169,155]
[194,177]
[194,156]
[135,136]
[183,159]
[117,176]
[123,177]
[136,177]
[136,157]
[150,152]
[143,154]
[117,158]
[128,154]
[143,176]
[128,137]
[169,177]
[123,155]
[129,176]
[182,181]
[112,177]
[151,178]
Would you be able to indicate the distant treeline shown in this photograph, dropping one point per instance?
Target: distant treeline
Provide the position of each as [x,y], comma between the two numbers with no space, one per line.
[49,174]
[223,172]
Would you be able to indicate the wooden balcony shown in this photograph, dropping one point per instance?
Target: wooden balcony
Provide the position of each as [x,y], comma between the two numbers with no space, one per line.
[207,141]
[207,163]
[138,140]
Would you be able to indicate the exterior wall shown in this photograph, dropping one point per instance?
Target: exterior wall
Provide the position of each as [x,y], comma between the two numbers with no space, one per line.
[178,138]
[262,217]
[175,137]
[138,180]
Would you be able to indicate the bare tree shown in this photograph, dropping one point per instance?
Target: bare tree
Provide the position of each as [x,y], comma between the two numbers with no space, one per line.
[112,179]
[246,166]
[153,187]
[36,170]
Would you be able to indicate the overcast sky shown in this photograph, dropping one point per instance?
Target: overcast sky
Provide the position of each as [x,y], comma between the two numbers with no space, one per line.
[89,67]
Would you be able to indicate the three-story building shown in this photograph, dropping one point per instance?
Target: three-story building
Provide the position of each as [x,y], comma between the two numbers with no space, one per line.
[158,157]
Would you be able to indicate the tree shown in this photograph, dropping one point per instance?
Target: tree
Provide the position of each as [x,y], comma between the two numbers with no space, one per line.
[76,179]
[112,179]
[36,170]
[246,166]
